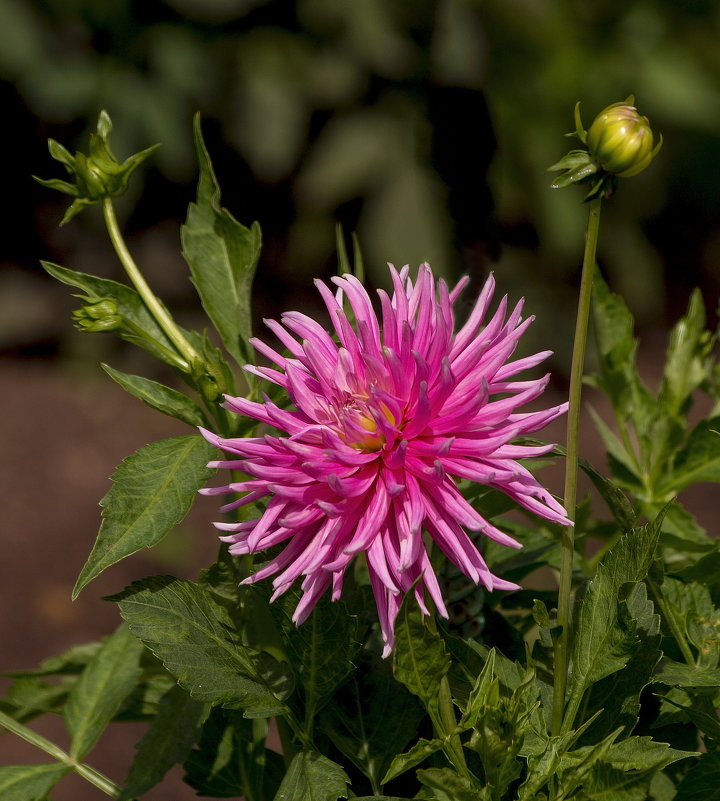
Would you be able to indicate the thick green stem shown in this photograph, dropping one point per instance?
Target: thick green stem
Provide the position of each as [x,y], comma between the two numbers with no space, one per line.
[158,311]
[564,619]
[90,774]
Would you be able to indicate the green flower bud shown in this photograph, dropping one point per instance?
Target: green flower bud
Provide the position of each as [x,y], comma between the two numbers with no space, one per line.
[98,317]
[98,174]
[619,145]
[621,140]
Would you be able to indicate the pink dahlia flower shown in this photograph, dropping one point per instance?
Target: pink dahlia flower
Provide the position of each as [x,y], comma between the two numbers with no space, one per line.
[386,416]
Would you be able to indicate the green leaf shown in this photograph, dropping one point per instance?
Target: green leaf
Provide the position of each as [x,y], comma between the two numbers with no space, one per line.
[158,396]
[312,777]
[104,684]
[614,497]
[195,639]
[153,491]
[699,460]
[418,753]
[171,735]
[643,753]
[372,717]
[618,695]
[222,255]
[232,759]
[130,306]
[678,674]
[32,697]
[29,782]
[447,785]
[616,344]
[420,660]
[322,650]
[604,642]
[686,364]
[700,783]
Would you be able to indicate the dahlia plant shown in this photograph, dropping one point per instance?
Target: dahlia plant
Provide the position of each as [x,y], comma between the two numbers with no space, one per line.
[365,631]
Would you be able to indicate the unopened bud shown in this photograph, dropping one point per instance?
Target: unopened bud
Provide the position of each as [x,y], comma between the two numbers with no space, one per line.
[98,317]
[621,140]
[620,144]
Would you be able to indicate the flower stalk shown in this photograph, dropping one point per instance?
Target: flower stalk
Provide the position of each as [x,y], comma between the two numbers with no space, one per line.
[158,311]
[89,774]
[564,616]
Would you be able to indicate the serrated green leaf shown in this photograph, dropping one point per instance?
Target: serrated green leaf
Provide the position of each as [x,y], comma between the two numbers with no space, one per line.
[616,344]
[171,735]
[643,753]
[604,643]
[678,674]
[445,784]
[418,753]
[30,696]
[231,759]
[322,651]
[222,255]
[104,684]
[420,660]
[195,639]
[29,782]
[618,695]
[312,777]
[614,497]
[709,724]
[372,717]
[700,783]
[698,460]
[686,364]
[130,306]
[158,396]
[153,491]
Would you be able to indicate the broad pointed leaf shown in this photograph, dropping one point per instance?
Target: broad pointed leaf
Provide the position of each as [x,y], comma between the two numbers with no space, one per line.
[104,684]
[172,733]
[701,783]
[420,660]
[195,639]
[604,644]
[312,777]
[157,396]
[618,695]
[222,255]
[29,782]
[153,491]
[322,651]
[372,717]
[130,306]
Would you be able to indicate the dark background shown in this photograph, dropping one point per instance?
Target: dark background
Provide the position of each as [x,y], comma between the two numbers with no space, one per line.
[427,127]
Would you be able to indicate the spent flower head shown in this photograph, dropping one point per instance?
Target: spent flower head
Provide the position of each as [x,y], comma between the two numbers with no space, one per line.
[388,413]
[620,143]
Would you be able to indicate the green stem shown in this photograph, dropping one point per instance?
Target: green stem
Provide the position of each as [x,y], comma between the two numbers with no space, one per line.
[90,774]
[158,311]
[445,723]
[564,619]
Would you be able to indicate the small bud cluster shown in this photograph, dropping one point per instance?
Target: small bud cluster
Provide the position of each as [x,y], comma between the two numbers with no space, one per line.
[620,144]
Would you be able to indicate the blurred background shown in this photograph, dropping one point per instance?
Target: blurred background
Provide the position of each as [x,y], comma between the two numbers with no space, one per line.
[426,127]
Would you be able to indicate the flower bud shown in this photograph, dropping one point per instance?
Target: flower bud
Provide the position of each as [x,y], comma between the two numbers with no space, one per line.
[98,317]
[621,140]
[98,174]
